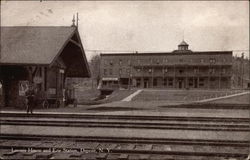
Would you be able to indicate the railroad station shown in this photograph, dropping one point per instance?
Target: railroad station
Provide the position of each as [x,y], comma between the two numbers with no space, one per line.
[45,56]
[167,102]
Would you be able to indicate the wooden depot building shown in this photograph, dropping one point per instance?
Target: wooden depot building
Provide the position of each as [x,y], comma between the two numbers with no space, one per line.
[43,56]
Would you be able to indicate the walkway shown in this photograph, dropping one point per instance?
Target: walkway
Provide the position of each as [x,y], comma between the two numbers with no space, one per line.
[129,98]
[224,97]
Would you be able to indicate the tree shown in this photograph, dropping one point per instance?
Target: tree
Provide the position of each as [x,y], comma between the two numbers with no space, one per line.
[94,65]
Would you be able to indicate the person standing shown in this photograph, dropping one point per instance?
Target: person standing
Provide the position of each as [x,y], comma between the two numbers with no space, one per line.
[30,96]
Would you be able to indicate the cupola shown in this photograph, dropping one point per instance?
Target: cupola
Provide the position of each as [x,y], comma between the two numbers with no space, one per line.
[183,46]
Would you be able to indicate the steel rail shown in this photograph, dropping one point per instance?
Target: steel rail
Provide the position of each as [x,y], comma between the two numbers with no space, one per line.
[205,142]
[125,117]
[175,126]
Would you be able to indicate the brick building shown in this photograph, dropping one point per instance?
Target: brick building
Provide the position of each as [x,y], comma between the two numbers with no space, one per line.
[181,69]
[44,56]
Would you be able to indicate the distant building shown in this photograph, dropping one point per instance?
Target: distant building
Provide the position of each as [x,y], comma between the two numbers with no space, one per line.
[240,72]
[182,69]
[44,56]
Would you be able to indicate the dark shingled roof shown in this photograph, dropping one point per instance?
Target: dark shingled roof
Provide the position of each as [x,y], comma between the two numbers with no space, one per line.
[32,45]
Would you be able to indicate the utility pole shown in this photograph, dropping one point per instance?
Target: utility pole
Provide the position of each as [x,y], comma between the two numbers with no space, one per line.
[77,19]
[242,73]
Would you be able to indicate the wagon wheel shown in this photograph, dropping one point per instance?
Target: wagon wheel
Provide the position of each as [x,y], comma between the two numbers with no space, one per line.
[45,104]
[58,103]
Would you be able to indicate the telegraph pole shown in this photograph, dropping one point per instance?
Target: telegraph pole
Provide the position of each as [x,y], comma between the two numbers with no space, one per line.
[242,72]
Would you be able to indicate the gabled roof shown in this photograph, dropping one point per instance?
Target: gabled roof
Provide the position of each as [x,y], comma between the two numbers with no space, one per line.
[32,45]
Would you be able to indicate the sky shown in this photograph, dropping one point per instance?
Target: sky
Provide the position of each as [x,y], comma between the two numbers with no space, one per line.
[143,26]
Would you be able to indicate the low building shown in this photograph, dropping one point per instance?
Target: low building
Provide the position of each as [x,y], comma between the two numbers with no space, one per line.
[44,56]
[182,68]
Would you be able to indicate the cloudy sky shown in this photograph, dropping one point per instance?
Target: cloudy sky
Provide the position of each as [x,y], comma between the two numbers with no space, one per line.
[128,26]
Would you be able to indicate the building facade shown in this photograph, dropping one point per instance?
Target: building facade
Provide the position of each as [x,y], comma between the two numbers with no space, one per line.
[42,56]
[182,69]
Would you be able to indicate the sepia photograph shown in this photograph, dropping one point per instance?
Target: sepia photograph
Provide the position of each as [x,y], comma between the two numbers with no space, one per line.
[124,80]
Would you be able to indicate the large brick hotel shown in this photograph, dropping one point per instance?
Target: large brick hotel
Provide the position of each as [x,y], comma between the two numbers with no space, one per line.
[182,68]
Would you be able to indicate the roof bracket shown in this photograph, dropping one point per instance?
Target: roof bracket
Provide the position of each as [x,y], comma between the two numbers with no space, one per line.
[71,40]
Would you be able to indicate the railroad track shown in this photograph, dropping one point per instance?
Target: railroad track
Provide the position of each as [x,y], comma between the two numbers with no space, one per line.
[243,127]
[121,148]
[32,146]
[124,117]
[139,122]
